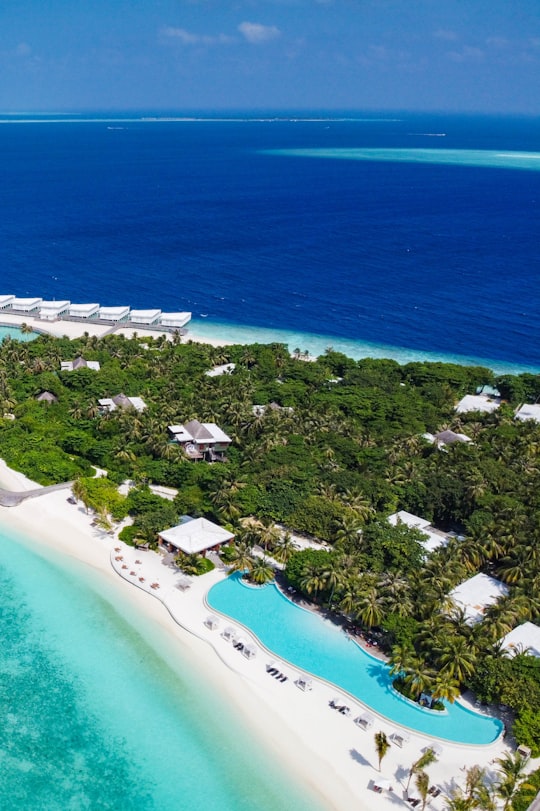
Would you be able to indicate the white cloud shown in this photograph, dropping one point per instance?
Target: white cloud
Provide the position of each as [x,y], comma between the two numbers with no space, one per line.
[467,54]
[256,33]
[189,38]
[445,35]
[23,49]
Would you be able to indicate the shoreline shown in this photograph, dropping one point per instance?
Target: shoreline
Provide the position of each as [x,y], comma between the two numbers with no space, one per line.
[319,749]
[218,334]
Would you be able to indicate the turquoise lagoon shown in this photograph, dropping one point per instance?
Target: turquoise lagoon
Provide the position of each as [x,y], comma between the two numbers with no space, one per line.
[318,647]
[97,713]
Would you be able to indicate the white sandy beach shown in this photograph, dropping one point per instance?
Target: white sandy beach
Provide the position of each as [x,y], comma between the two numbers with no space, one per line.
[324,749]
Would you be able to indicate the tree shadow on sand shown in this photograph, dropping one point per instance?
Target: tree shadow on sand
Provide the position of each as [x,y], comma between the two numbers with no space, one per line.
[359,757]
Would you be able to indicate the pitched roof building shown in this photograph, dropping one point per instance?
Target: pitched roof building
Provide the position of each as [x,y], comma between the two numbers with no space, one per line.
[195,535]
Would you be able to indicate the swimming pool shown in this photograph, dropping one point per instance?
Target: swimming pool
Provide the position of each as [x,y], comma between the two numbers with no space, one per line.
[314,645]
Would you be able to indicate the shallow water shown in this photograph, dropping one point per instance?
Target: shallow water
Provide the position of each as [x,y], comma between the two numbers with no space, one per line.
[97,719]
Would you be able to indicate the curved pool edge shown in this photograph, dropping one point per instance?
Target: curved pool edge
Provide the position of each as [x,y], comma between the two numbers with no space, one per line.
[363,706]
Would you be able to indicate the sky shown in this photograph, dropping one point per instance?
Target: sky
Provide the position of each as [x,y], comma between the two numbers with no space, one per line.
[298,55]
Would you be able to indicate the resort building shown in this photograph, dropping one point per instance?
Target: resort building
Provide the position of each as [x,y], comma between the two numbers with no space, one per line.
[5,302]
[529,411]
[47,397]
[26,305]
[79,363]
[145,317]
[83,311]
[201,440]
[483,403]
[114,314]
[476,594]
[434,538]
[194,536]
[108,404]
[444,438]
[523,639]
[223,369]
[53,310]
[175,320]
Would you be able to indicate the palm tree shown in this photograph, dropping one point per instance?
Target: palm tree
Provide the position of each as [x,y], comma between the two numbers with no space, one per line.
[511,769]
[284,548]
[311,581]
[457,659]
[382,745]
[242,559]
[426,759]
[370,608]
[261,572]
[422,784]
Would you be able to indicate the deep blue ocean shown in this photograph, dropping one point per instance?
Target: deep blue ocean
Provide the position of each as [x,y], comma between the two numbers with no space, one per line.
[270,223]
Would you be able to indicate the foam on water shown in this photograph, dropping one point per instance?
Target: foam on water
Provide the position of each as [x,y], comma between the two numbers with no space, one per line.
[96,718]
[456,157]
[317,345]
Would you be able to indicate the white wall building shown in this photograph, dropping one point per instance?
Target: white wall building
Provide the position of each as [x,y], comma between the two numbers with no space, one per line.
[52,310]
[175,320]
[5,302]
[145,316]
[434,539]
[478,402]
[26,305]
[523,639]
[114,313]
[84,310]
[477,594]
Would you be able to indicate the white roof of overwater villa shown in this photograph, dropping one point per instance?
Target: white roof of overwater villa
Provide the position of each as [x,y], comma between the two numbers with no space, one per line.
[5,300]
[25,304]
[83,310]
[196,535]
[523,639]
[175,319]
[113,313]
[476,594]
[144,316]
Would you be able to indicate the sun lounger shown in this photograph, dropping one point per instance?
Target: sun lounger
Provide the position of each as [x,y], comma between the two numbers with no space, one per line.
[283,677]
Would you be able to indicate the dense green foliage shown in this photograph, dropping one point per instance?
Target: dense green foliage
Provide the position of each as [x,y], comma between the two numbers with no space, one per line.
[337,446]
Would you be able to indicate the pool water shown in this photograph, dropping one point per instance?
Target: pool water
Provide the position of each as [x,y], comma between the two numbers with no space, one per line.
[314,645]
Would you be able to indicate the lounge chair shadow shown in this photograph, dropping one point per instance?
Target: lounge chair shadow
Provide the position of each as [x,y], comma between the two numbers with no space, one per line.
[359,758]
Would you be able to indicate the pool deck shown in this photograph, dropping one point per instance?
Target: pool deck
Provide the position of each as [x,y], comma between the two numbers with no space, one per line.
[349,750]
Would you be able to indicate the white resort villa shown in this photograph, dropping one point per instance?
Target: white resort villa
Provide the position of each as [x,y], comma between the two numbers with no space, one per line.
[194,536]
[79,363]
[473,596]
[201,440]
[108,404]
[434,537]
[523,639]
